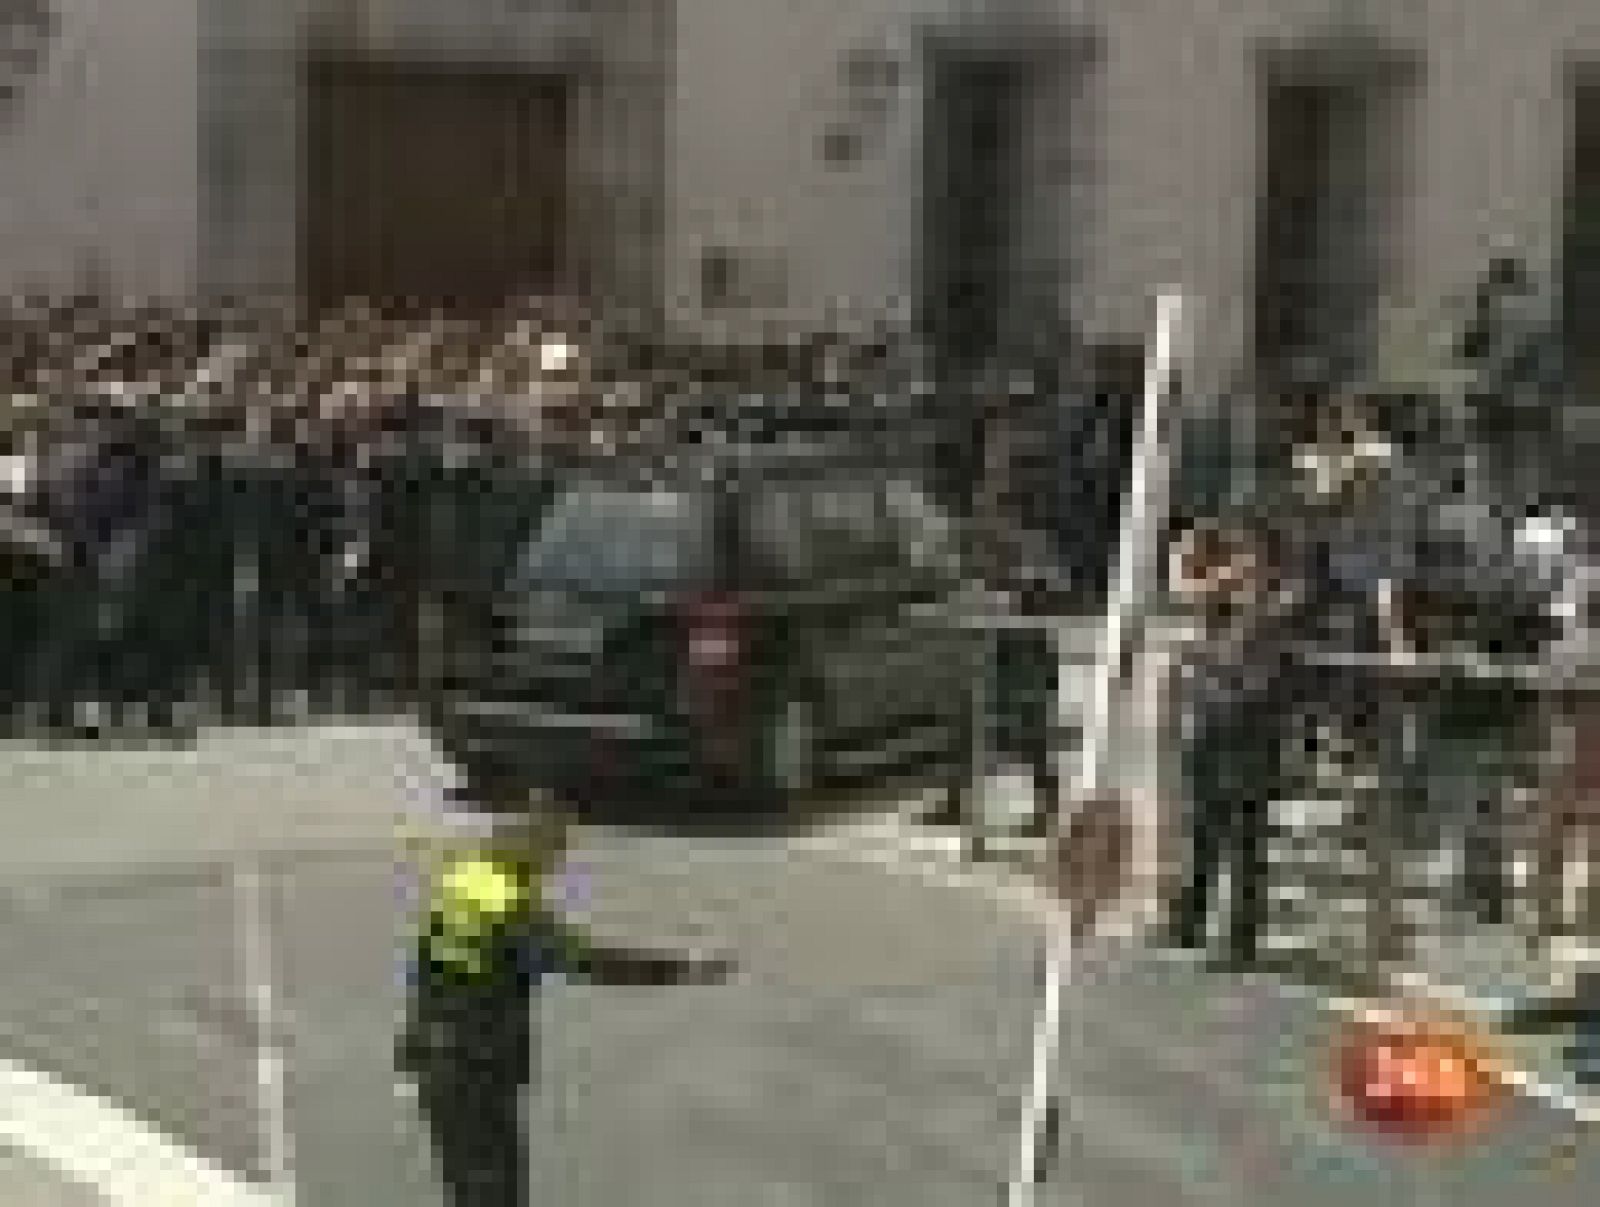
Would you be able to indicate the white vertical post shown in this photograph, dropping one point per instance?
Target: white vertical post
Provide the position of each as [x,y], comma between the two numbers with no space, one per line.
[271,1102]
[1144,512]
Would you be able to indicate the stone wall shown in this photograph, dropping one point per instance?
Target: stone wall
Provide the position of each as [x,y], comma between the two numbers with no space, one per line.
[98,153]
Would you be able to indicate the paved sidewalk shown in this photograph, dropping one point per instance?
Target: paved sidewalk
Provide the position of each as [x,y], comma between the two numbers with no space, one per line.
[1483,974]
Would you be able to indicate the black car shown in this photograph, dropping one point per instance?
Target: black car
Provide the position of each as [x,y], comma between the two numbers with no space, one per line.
[749,628]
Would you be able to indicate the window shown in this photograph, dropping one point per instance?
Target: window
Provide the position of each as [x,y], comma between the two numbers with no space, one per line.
[815,530]
[611,540]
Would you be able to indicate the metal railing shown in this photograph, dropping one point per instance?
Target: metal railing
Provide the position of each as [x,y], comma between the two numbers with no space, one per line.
[1399,795]
[1017,727]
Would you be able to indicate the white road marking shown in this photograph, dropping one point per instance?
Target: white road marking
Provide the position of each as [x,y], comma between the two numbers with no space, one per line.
[98,1144]
[259,978]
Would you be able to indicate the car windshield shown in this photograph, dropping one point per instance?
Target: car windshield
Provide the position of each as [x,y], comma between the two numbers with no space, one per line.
[598,539]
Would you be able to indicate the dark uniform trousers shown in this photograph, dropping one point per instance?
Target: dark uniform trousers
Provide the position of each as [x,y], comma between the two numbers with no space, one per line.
[1232,769]
[468,1043]
[478,1142]
[1232,773]
[1027,693]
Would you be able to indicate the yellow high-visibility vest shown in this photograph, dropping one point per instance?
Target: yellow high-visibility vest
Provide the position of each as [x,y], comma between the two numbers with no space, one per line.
[477,882]
[471,898]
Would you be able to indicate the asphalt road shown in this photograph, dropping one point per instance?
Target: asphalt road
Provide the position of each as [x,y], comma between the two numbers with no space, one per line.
[872,1051]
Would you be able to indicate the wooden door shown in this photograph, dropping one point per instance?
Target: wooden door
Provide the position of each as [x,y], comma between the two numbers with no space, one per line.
[970,182]
[1581,292]
[431,186]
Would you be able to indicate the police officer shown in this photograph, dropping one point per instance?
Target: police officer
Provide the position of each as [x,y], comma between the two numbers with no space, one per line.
[488,939]
[467,1040]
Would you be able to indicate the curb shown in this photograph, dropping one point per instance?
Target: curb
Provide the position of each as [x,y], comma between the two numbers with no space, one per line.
[1584,1108]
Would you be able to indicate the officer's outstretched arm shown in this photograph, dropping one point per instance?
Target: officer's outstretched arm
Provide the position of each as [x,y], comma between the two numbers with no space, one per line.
[486,875]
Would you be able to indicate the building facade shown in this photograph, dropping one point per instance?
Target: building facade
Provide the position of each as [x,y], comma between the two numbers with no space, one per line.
[765,159]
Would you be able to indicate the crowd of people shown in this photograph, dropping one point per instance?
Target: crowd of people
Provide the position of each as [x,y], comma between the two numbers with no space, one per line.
[1394,525]
[246,502]
[238,494]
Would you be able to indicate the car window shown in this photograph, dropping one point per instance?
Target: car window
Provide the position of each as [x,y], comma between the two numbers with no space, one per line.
[828,529]
[619,540]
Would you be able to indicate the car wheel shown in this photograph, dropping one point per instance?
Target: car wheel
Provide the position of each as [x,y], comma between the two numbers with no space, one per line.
[792,748]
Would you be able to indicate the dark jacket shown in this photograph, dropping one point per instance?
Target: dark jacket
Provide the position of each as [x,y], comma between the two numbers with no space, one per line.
[1238,673]
[478,1027]
[103,478]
